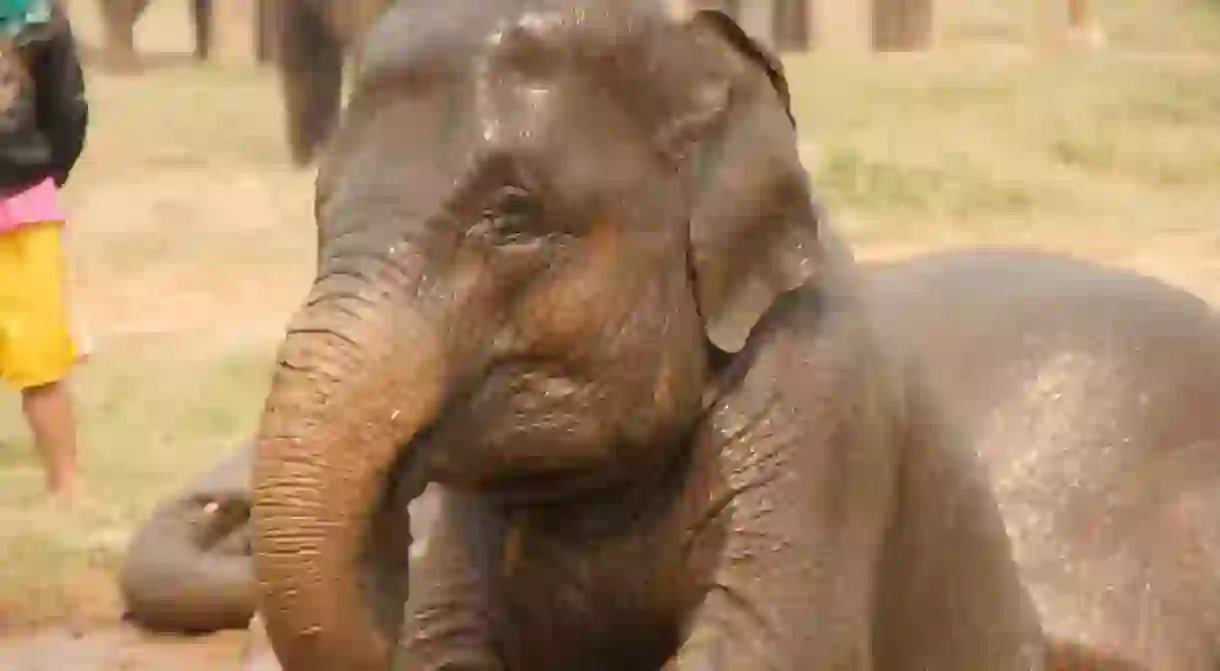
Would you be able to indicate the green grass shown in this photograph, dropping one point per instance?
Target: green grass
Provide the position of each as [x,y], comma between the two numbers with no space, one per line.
[150,419]
[1141,25]
[1082,141]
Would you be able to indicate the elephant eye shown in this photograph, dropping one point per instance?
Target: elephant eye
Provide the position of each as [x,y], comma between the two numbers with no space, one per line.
[512,217]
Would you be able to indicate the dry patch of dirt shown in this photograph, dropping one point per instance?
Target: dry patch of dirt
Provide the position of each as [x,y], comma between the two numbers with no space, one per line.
[121,649]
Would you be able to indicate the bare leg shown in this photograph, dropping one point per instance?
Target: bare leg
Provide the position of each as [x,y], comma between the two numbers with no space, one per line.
[48,410]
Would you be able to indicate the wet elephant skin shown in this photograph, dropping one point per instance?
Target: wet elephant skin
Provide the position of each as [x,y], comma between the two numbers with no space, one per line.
[997,332]
[569,269]
[1090,394]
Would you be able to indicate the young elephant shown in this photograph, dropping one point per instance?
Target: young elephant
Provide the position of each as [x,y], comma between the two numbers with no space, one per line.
[1053,365]
[568,268]
[1090,394]
[188,567]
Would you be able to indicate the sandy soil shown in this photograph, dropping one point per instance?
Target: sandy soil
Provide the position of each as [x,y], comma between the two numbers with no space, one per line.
[121,649]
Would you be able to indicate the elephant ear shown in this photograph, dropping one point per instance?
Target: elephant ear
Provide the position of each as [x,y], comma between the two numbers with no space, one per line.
[753,228]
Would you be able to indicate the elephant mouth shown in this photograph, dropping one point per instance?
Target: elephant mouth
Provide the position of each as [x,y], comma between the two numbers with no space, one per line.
[541,488]
[521,433]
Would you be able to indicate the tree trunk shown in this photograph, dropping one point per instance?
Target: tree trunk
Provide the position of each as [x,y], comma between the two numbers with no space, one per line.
[903,25]
[791,25]
[234,27]
[1067,23]
[840,25]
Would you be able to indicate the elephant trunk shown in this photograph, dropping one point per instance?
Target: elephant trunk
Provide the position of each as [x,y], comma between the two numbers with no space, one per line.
[187,568]
[357,379]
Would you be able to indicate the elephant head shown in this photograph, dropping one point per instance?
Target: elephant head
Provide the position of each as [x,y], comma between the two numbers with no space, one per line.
[545,228]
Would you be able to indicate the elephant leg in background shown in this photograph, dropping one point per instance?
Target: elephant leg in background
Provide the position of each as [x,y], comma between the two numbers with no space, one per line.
[119,18]
[265,27]
[310,59]
[188,568]
[201,17]
[312,40]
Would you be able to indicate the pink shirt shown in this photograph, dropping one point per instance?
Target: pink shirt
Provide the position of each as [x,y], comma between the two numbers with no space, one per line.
[37,203]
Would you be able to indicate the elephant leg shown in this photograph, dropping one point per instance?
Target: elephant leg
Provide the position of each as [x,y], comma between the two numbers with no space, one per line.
[189,568]
[265,30]
[119,18]
[447,623]
[202,17]
[310,60]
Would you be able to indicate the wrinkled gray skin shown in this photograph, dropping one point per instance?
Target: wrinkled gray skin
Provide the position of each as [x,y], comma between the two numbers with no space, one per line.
[1091,395]
[569,269]
[188,567]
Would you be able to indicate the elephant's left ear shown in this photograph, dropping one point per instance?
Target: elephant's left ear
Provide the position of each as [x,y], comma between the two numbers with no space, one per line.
[753,228]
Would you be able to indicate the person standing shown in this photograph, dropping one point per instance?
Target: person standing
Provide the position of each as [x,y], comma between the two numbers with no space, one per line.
[43,121]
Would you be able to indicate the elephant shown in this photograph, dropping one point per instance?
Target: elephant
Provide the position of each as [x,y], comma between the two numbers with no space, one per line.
[313,40]
[570,270]
[119,19]
[120,16]
[997,331]
[188,567]
[1089,394]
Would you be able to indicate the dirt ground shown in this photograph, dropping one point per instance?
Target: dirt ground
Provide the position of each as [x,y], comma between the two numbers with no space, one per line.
[192,241]
[121,649]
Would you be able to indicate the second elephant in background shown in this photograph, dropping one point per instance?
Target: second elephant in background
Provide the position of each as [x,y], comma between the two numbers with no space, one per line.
[313,38]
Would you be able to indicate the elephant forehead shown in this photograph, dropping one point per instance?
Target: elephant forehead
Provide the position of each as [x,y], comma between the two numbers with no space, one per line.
[513,112]
[449,36]
[552,83]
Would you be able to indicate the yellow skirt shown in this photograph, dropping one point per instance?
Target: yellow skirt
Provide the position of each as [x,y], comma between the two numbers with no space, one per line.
[36,345]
